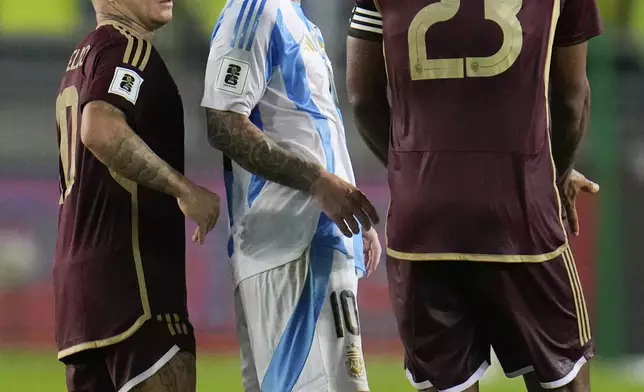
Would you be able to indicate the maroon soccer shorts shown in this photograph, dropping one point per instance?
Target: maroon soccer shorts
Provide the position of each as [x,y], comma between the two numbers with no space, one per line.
[450,313]
[122,366]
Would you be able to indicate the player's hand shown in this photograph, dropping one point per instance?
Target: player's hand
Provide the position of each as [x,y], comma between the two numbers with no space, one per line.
[201,206]
[372,250]
[572,186]
[345,204]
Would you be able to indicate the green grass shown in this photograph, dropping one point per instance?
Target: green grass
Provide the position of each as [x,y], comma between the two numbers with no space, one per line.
[22,371]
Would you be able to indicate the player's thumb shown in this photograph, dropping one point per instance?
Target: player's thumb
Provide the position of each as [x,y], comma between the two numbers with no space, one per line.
[590,187]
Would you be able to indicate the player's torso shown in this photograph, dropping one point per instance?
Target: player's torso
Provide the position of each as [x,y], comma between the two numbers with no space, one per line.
[466,63]
[299,111]
[117,239]
[470,127]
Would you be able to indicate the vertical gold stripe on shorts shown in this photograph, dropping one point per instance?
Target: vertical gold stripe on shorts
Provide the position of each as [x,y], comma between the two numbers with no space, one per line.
[576,298]
[168,319]
[146,57]
[139,50]
[159,317]
[584,307]
[177,323]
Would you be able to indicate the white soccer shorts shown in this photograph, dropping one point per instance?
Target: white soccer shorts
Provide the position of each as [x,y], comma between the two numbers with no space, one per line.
[298,326]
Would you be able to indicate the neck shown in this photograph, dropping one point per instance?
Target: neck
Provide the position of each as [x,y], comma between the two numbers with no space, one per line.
[136,27]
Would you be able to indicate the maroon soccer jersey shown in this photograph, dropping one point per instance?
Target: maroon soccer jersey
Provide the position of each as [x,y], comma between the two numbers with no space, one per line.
[120,253]
[470,165]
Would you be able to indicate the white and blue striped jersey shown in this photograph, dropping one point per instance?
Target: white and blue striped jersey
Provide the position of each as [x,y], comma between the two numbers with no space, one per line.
[267,61]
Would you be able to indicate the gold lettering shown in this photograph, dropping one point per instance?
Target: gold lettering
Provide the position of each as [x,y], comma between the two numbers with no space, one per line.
[502,12]
[78,58]
[68,131]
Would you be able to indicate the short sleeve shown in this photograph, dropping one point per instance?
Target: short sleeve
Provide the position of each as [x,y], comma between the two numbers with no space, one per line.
[366,21]
[579,22]
[116,74]
[239,62]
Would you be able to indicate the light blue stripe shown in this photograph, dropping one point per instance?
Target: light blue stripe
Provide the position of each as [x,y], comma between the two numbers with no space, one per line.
[298,91]
[238,23]
[251,38]
[249,17]
[300,13]
[229,179]
[358,251]
[295,344]
[256,182]
[297,88]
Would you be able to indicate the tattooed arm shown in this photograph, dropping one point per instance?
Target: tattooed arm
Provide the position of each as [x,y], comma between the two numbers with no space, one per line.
[105,132]
[240,140]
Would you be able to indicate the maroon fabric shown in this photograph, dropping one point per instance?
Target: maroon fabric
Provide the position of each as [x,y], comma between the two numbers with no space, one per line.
[470,166]
[450,314]
[103,228]
[109,369]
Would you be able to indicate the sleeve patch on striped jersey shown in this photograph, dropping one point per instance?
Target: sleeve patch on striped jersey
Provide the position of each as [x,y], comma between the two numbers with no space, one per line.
[126,83]
[366,20]
[232,76]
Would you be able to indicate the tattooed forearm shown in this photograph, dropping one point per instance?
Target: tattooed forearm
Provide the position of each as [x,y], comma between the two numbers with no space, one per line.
[105,132]
[240,140]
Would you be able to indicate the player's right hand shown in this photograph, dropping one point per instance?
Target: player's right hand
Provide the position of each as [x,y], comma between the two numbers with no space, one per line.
[201,206]
[572,186]
[345,204]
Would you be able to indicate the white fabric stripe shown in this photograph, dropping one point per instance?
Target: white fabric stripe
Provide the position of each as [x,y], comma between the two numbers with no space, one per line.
[417,385]
[365,28]
[151,371]
[520,372]
[368,12]
[367,20]
[470,381]
[568,378]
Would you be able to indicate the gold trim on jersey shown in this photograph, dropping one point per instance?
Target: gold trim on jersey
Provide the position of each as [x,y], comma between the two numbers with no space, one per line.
[132,55]
[146,58]
[556,10]
[581,311]
[375,2]
[498,258]
[132,188]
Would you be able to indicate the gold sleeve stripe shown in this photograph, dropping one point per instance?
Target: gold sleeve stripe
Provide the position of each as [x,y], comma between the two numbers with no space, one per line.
[139,49]
[159,317]
[146,58]
[143,48]
[584,307]
[582,324]
[130,44]
[185,328]
[168,319]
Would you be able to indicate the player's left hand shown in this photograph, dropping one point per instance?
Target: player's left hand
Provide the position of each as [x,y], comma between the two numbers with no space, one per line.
[372,250]
[572,186]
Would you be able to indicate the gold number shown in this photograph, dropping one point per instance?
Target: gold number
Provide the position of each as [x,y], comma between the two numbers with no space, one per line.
[68,130]
[502,12]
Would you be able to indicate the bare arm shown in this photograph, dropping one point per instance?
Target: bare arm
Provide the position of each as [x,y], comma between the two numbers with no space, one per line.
[240,140]
[105,132]
[367,86]
[570,106]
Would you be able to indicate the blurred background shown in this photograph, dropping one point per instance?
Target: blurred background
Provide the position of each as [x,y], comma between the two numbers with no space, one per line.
[36,40]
